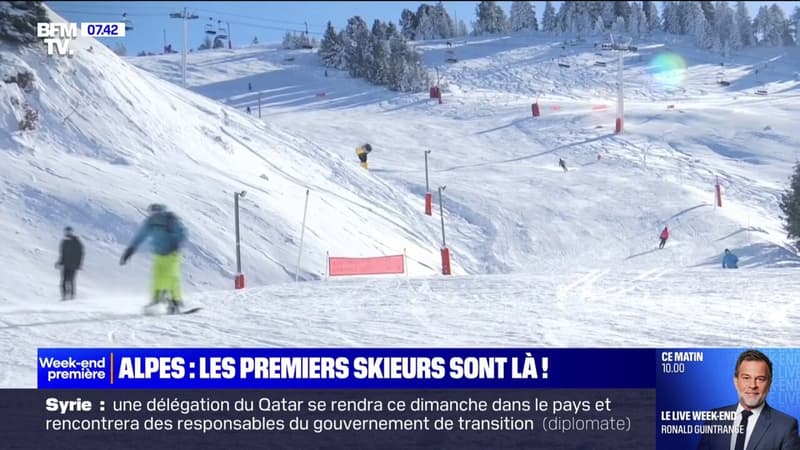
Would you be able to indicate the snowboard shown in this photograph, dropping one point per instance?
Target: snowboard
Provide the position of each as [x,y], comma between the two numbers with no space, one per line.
[187,311]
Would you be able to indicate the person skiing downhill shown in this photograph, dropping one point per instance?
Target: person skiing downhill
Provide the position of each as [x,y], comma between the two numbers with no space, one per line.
[562,164]
[167,235]
[664,236]
[70,259]
[362,153]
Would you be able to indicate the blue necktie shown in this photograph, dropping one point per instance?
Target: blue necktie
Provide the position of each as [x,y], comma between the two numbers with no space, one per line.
[741,436]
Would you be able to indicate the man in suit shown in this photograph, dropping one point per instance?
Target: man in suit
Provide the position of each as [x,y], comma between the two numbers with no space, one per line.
[757,425]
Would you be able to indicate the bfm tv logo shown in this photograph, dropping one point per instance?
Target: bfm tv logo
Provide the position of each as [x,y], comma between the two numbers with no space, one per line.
[57,35]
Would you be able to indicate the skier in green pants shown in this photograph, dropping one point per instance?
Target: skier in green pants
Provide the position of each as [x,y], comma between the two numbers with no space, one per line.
[167,234]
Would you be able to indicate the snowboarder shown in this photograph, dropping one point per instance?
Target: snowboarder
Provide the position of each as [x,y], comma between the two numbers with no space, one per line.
[326,73]
[730,261]
[362,153]
[562,164]
[249,86]
[70,259]
[167,235]
[664,236]
[248,109]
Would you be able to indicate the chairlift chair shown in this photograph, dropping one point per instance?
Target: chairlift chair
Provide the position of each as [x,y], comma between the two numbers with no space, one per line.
[210,27]
[127,22]
[222,33]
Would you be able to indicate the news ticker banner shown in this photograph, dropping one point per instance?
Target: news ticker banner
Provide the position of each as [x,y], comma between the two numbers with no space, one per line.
[297,368]
[626,398]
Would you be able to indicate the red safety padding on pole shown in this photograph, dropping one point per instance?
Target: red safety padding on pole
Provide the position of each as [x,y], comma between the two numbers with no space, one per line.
[433,92]
[445,261]
[428,203]
[719,195]
[238,282]
[618,128]
[376,265]
[535,109]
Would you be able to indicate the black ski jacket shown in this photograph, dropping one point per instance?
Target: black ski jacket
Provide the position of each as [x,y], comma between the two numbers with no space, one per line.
[71,256]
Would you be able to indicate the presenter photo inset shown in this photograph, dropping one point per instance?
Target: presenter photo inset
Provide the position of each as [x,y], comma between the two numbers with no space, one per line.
[756,425]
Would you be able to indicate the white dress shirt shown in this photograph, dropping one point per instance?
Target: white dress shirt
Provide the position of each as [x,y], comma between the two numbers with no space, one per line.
[751,424]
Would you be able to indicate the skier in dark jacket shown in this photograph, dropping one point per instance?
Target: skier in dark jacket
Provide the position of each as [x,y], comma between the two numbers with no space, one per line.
[70,259]
[562,164]
[730,261]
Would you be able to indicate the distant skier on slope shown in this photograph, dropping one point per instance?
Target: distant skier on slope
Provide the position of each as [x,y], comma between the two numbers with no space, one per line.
[167,235]
[362,153]
[70,259]
[730,260]
[562,164]
[664,236]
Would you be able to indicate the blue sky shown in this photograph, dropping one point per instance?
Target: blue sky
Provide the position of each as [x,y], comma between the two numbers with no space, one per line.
[267,20]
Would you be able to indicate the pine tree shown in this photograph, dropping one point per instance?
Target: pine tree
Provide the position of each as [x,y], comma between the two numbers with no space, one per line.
[651,13]
[521,16]
[688,17]
[408,24]
[708,11]
[725,32]
[745,25]
[444,26]
[461,28]
[783,35]
[790,205]
[425,26]
[599,26]
[619,26]
[549,18]
[696,24]
[608,12]
[18,21]
[795,20]
[331,48]
[671,18]
[378,60]
[405,70]
[622,9]
[771,26]
[564,17]
[582,20]
[637,24]
[491,18]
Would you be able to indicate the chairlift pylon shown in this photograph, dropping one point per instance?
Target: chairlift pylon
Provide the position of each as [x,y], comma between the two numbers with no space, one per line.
[127,22]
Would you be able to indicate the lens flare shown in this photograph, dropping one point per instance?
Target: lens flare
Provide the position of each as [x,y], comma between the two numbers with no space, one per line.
[668,69]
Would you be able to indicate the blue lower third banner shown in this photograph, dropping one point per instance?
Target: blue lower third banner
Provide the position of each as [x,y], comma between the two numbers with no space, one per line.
[193,368]
[410,398]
